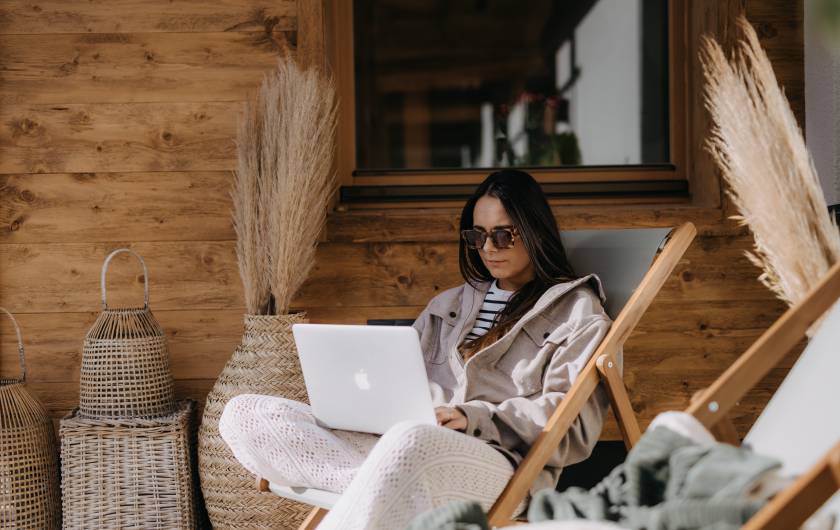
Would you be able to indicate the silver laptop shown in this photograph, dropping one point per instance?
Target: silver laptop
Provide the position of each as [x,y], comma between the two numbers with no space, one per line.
[364,378]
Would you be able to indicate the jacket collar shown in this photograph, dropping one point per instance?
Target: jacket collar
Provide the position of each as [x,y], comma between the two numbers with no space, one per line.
[474,297]
[478,291]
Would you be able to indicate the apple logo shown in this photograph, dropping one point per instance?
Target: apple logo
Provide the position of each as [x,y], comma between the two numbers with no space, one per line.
[361,378]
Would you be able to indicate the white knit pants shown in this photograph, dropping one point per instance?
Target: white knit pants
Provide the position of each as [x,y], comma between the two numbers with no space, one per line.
[385,481]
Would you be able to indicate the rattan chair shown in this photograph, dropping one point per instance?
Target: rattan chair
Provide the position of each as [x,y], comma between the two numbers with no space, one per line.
[633,265]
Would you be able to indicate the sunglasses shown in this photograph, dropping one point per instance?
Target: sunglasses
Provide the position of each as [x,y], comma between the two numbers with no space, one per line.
[501,237]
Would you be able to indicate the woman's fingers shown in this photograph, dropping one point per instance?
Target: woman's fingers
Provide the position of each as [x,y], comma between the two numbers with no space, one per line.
[444,414]
[459,424]
[451,418]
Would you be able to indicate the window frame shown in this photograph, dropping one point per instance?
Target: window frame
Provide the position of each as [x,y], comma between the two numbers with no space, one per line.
[595,184]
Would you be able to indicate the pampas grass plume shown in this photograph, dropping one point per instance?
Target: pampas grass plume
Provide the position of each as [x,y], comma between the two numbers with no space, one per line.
[759,147]
[283,183]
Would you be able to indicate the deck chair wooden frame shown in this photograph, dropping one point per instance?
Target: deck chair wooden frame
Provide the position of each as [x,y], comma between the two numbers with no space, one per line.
[792,507]
[601,368]
[711,406]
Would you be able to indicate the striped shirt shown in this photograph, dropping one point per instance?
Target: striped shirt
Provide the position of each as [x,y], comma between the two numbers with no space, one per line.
[494,302]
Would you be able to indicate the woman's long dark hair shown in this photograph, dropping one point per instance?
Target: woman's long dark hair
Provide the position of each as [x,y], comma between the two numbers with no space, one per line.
[528,209]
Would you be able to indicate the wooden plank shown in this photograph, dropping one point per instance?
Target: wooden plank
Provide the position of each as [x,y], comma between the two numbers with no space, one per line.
[711,315]
[199,342]
[441,224]
[99,207]
[132,67]
[118,16]
[714,18]
[204,275]
[59,278]
[195,205]
[780,28]
[312,38]
[687,352]
[97,137]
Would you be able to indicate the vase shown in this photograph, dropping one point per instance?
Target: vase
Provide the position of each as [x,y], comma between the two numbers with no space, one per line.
[265,362]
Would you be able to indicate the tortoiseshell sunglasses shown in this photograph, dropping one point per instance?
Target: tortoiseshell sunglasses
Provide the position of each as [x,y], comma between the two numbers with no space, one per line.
[501,236]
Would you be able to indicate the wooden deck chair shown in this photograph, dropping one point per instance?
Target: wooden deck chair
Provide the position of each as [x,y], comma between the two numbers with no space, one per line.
[800,426]
[633,264]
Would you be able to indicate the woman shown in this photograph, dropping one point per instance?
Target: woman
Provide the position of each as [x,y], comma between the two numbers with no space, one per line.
[501,351]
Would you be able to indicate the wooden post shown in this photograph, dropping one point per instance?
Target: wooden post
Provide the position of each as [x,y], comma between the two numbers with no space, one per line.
[619,400]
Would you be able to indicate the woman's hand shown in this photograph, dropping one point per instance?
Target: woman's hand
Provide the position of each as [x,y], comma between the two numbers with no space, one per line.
[451,418]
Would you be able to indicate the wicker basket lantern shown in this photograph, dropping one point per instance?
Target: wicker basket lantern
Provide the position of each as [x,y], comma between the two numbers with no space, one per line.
[29,487]
[125,362]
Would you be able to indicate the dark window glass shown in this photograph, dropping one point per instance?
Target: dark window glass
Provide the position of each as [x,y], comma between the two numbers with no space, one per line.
[494,83]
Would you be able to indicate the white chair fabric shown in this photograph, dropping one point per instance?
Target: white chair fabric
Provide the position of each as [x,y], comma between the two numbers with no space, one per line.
[619,257]
[802,420]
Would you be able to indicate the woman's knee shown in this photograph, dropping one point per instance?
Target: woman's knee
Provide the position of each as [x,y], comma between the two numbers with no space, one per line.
[248,412]
[413,437]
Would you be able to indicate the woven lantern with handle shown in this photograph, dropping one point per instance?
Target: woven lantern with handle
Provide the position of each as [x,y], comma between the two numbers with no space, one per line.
[29,487]
[125,362]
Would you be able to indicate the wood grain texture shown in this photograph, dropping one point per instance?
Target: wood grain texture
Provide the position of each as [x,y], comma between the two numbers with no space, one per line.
[136,67]
[204,275]
[195,205]
[713,18]
[311,21]
[102,207]
[780,28]
[119,16]
[199,342]
[82,138]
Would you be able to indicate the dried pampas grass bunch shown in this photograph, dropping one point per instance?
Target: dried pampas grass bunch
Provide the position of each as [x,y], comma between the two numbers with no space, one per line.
[249,189]
[283,183]
[759,148]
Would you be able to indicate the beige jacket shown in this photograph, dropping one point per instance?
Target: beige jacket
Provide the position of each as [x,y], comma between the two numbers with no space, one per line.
[509,389]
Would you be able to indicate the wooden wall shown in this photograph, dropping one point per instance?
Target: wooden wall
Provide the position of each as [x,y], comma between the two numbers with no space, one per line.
[117,122]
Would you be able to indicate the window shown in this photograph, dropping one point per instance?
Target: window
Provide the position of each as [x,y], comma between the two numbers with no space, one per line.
[584,94]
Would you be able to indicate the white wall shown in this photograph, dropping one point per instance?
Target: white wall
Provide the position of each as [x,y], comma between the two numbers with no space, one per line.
[606,102]
[822,100]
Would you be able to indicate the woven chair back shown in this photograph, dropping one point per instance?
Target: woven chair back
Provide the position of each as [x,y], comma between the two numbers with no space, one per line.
[125,361]
[29,488]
